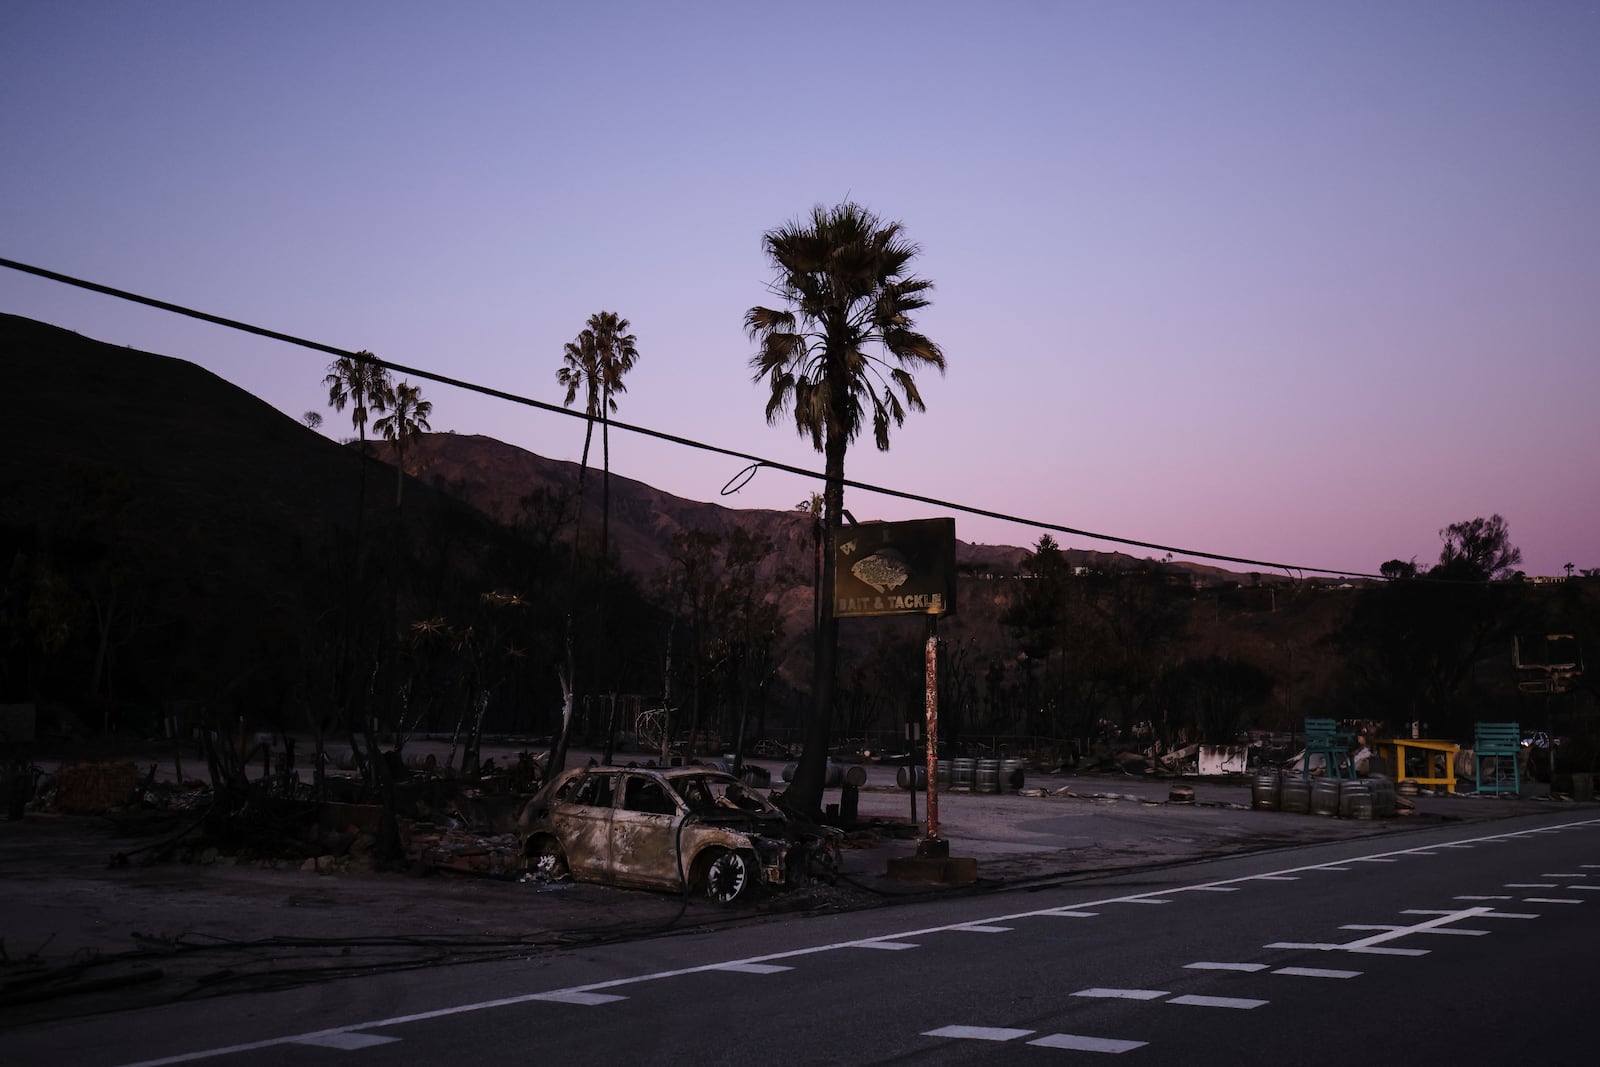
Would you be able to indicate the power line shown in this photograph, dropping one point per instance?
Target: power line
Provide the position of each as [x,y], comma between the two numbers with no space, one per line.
[756,462]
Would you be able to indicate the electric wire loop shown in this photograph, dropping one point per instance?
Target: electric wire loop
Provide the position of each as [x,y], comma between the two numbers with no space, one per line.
[748,473]
[743,478]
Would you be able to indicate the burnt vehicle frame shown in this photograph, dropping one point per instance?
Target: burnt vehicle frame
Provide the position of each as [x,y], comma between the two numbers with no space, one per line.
[682,829]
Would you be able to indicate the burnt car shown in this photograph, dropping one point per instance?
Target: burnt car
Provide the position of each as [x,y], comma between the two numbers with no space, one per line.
[684,829]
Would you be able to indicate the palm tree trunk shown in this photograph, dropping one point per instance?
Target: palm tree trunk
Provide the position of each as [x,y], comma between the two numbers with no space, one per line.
[804,794]
[361,499]
[605,485]
[583,470]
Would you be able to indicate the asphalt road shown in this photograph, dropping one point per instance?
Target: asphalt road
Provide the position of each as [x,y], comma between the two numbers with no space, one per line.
[1468,943]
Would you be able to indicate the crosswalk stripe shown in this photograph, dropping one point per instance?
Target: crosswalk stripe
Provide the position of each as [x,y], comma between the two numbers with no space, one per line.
[978,1033]
[1243,1003]
[1078,1043]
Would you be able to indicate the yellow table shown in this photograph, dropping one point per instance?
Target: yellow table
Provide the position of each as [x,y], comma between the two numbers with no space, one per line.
[1432,753]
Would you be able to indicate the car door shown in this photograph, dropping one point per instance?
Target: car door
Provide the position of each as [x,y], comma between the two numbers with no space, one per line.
[644,832]
[581,818]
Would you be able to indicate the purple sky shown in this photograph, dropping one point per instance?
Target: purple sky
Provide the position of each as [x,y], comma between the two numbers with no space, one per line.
[1290,281]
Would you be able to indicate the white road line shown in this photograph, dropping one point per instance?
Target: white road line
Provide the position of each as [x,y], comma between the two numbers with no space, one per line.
[1563,876]
[1466,897]
[1124,994]
[1531,885]
[1586,888]
[754,968]
[1452,845]
[1071,914]
[976,928]
[348,1042]
[1375,859]
[1275,878]
[813,950]
[1552,900]
[1218,1002]
[1590,866]
[577,996]
[978,1033]
[1511,915]
[1335,868]
[1316,972]
[1439,930]
[1077,1043]
[1210,889]
[1138,900]
[887,946]
[1421,852]
[1225,966]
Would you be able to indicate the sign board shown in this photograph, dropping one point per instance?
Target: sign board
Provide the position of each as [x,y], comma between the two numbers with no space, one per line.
[895,568]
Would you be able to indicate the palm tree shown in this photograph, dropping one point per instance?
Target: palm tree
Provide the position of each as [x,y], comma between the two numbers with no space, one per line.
[580,370]
[594,364]
[359,381]
[618,351]
[843,346]
[402,426]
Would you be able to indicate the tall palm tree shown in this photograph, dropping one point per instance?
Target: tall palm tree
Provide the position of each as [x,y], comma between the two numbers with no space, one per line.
[594,364]
[843,346]
[358,381]
[618,351]
[580,371]
[402,426]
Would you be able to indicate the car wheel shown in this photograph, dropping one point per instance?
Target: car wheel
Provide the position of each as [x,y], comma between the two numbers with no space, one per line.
[728,876]
[546,860]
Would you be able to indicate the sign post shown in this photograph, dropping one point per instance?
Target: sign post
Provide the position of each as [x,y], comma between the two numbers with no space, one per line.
[905,568]
[933,844]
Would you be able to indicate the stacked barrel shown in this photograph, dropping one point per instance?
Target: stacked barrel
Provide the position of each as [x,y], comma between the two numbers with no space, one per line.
[1365,798]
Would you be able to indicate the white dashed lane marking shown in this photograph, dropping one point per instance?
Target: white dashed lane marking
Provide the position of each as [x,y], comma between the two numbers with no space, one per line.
[978,1033]
[1124,994]
[1552,900]
[1466,897]
[977,928]
[1075,1043]
[1072,1042]
[1251,968]
[1316,972]
[753,968]
[1241,1003]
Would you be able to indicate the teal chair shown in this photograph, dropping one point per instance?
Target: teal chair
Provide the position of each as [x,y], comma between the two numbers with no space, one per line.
[1323,738]
[1499,741]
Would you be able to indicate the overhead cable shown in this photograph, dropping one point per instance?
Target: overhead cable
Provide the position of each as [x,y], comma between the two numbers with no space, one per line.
[756,462]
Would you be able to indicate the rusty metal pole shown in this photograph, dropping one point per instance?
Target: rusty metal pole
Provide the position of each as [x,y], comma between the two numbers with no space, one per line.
[932,844]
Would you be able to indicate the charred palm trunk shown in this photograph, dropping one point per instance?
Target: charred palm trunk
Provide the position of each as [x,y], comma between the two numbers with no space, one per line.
[804,795]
